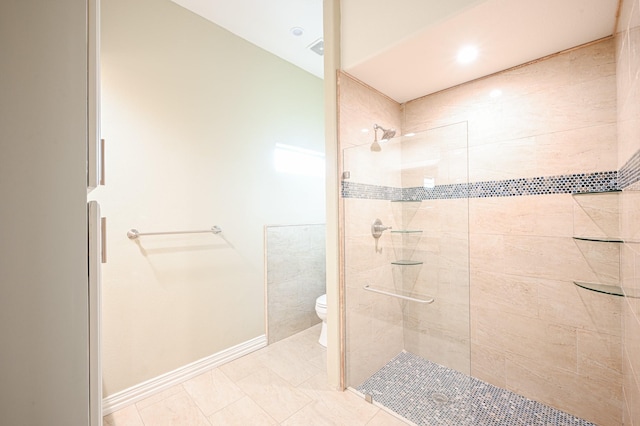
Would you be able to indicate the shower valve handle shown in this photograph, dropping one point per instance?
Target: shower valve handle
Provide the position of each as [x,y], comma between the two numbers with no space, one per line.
[377,228]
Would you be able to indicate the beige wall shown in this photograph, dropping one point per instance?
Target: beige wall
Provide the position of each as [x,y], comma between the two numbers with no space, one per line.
[628,43]
[191,115]
[532,330]
[43,231]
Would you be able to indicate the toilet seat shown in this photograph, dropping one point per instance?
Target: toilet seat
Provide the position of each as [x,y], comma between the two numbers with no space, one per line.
[321,311]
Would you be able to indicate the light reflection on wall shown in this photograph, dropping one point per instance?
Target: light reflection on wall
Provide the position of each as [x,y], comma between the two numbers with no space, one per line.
[298,161]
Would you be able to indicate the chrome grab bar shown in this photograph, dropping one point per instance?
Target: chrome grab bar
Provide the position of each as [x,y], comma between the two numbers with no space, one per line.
[399,296]
[134,233]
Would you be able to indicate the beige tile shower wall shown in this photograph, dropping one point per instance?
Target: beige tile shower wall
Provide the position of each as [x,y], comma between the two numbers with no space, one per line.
[374,167]
[628,60]
[440,331]
[554,117]
[359,108]
[296,276]
[628,66]
[373,321]
[437,331]
[439,156]
[532,330]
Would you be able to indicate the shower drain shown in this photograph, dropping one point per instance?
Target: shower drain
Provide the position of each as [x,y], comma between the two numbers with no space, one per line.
[440,398]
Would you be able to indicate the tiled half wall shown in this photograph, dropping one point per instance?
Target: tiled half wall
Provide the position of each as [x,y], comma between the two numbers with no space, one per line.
[295,262]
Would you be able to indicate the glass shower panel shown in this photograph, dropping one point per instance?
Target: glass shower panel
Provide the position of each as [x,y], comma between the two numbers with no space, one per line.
[407,292]
[374,332]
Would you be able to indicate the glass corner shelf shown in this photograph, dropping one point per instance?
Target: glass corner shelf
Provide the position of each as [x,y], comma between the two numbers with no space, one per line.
[576,194]
[407,231]
[613,290]
[600,239]
[406,262]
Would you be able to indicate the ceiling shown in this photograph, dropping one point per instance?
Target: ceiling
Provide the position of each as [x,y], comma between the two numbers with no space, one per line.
[267,24]
[506,32]
[407,48]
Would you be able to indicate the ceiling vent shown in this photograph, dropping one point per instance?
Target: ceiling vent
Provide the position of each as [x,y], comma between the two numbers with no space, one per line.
[317,47]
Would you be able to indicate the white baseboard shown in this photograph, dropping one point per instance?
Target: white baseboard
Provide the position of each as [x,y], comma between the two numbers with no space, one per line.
[150,387]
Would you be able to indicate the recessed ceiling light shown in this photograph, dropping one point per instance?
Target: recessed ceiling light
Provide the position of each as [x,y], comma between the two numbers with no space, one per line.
[296,31]
[467,54]
[365,130]
[495,93]
[409,134]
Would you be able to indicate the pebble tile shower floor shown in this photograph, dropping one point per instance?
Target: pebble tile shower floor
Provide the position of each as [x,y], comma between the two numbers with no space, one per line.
[427,393]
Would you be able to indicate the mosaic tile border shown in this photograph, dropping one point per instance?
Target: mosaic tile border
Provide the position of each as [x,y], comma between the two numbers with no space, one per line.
[370,192]
[629,174]
[414,388]
[561,184]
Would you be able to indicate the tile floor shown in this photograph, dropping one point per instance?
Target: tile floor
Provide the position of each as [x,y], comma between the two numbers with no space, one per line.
[282,384]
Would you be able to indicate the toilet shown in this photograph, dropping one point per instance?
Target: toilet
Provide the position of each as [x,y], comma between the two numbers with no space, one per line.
[321,310]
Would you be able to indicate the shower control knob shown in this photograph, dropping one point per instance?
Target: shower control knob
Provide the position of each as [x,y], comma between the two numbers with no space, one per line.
[377,228]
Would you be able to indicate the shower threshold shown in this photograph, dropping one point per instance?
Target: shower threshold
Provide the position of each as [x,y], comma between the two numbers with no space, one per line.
[426,393]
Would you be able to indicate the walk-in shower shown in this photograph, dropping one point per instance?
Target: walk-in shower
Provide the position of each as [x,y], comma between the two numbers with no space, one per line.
[407,285]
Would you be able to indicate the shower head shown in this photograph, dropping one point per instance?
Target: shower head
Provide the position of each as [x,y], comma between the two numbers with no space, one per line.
[386,135]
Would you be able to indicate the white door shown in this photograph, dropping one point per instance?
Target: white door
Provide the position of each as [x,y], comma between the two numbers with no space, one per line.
[96,257]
